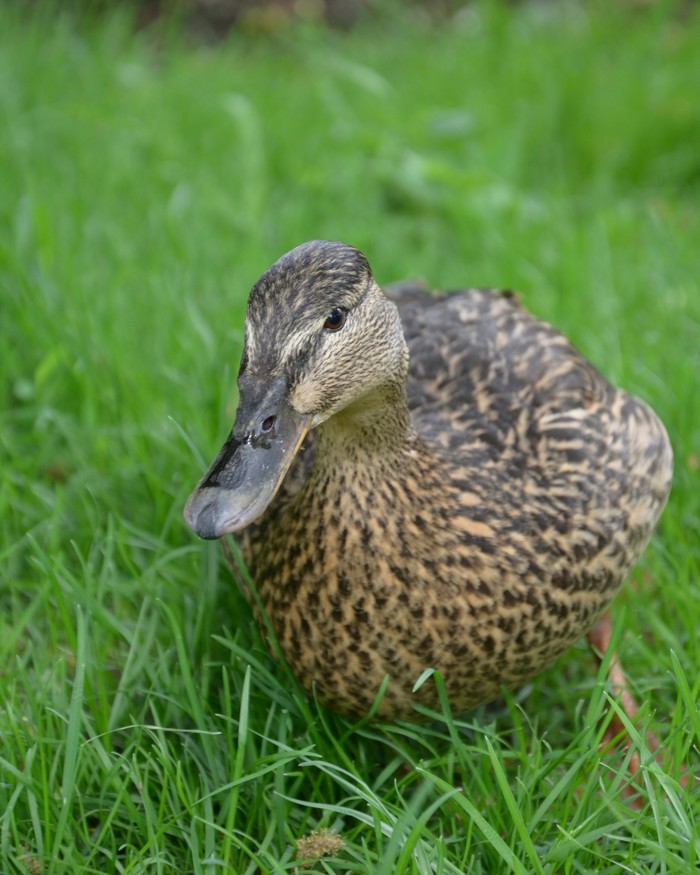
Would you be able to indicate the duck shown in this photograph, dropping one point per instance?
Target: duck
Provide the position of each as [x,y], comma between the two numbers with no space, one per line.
[435,494]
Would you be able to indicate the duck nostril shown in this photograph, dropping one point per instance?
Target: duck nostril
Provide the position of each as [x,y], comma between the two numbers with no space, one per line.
[267,423]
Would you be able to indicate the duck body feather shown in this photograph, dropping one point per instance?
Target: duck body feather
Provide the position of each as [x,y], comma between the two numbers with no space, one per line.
[474,516]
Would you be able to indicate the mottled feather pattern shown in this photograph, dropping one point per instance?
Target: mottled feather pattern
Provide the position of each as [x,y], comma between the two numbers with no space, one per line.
[478,524]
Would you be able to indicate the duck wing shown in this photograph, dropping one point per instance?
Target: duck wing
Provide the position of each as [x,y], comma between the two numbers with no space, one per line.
[484,370]
[510,399]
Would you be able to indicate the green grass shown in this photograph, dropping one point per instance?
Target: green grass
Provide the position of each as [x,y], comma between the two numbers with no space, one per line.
[144,185]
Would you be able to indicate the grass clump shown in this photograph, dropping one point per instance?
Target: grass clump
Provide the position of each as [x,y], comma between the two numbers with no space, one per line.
[145,185]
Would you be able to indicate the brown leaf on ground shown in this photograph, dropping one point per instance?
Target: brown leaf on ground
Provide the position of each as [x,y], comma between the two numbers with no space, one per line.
[319,843]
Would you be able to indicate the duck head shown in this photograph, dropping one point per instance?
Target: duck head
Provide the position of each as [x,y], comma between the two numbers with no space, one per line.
[320,338]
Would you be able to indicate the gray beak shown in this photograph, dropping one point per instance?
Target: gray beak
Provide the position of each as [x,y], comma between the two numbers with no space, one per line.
[244,477]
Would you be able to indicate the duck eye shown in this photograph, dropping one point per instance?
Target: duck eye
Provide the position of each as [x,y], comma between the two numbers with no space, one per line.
[335,319]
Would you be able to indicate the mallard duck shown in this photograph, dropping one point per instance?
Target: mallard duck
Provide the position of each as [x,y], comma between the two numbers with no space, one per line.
[422,481]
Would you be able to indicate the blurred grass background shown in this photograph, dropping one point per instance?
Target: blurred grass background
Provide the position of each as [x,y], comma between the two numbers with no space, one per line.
[147,178]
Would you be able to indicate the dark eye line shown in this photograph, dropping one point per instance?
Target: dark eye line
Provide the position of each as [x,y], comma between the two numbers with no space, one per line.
[335,319]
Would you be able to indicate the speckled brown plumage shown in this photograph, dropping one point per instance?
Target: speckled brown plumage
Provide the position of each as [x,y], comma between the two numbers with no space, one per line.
[474,511]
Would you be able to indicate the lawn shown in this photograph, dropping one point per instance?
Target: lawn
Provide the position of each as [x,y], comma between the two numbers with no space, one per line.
[145,183]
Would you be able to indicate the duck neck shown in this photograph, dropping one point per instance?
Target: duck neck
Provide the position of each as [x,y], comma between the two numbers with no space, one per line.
[376,426]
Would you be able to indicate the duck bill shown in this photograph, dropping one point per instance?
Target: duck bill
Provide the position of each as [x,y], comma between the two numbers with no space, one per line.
[251,465]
